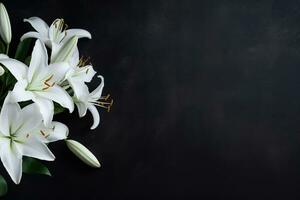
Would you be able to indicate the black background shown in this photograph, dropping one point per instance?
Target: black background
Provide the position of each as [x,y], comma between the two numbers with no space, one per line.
[207,101]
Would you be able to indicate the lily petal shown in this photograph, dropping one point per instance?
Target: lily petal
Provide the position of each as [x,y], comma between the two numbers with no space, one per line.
[74,60]
[59,131]
[82,108]
[46,108]
[17,68]
[39,25]
[64,52]
[30,119]
[89,73]
[85,74]
[19,92]
[79,87]
[33,34]
[95,115]
[9,114]
[33,147]
[12,161]
[3,56]
[59,70]
[39,60]
[96,94]
[80,33]
[59,95]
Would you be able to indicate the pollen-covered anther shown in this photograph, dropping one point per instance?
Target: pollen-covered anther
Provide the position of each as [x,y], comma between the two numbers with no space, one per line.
[105,103]
[44,134]
[47,84]
[83,61]
[58,24]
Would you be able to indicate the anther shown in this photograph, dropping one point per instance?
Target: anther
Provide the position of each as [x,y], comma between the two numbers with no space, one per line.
[43,133]
[104,104]
[83,61]
[48,85]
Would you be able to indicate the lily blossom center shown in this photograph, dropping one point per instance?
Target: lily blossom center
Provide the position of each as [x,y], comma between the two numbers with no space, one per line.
[41,84]
[58,30]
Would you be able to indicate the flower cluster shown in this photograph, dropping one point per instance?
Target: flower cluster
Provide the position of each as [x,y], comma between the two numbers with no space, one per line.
[35,86]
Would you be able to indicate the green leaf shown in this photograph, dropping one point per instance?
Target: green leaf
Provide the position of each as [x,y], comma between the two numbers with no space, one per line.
[27,60]
[25,103]
[2,47]
[22,50]
[3,186]
[58,108]
[33,166]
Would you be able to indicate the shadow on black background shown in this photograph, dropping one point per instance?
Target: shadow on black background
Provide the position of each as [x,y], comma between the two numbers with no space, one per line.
[206,100]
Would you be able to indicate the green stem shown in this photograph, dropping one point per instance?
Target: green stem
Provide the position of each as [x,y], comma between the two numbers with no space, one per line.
[7,48]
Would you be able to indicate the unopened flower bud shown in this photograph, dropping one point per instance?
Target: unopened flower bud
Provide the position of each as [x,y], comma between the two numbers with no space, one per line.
[5,28]
[83,153]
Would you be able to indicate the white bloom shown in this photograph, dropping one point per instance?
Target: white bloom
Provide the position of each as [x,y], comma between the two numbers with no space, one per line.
[89,101]
[83,153]
[79,74]
[18,138]
[56,34]
[5,28]
[38,82]
[56,131]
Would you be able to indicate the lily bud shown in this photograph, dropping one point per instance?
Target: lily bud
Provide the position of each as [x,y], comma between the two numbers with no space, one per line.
[83,153]
[2,56]
[5,28]
[2,71]
[66,51]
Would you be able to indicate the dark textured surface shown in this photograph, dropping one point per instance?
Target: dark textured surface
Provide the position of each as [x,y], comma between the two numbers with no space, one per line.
[207,101]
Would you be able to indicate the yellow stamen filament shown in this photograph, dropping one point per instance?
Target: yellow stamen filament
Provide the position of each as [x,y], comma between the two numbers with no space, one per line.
[66,26]
[105,97]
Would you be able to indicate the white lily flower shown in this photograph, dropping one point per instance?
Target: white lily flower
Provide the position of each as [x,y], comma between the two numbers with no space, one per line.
[38,82]
[5,27]
[56,34]
[18,138]
[89,101]
[79,74]
[56,131]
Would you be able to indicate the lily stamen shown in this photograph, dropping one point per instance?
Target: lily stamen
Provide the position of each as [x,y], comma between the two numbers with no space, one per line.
[43,133]
[105,97]
[83,61]
[104,104]
[46,82]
